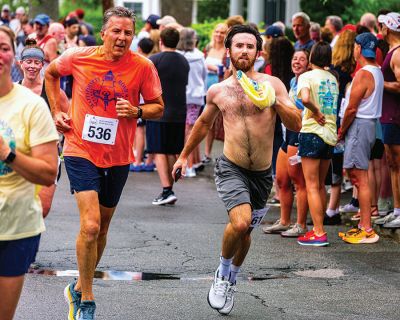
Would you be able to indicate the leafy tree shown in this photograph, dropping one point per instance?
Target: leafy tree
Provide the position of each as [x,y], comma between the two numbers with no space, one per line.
[204,31]
[212,9]
[353,14]
[350,11]
[318,10]
[50,7]
[181,10]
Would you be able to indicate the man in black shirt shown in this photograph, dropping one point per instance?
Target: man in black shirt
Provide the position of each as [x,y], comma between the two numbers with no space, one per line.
[165,137]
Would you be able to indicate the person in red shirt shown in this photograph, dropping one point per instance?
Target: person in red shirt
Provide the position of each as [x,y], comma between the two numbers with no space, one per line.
[99,130]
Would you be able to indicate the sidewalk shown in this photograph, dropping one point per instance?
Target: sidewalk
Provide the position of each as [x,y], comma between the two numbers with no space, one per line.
[345,197]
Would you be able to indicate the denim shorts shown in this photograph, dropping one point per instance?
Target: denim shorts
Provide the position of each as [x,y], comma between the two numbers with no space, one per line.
[107,182]
[312,146]
[17,255]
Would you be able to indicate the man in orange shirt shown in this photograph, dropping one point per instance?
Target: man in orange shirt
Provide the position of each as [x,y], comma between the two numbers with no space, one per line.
[99,131]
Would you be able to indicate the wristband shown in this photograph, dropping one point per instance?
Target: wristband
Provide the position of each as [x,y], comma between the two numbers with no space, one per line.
[10,158]
[139,113]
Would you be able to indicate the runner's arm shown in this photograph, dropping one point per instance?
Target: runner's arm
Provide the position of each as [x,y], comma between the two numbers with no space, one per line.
[40,167]
[199,131]
[394,86]
[358,90]
[51,49]
[289,114]
[64,102]
[52,77]
[153,109]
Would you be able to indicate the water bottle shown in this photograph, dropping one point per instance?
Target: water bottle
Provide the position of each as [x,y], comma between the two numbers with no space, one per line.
[294,160]
[220,72]
[339,148]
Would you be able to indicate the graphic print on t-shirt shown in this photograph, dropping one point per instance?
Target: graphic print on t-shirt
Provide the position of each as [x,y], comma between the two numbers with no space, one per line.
[104,91]
[9,138]
[326,93]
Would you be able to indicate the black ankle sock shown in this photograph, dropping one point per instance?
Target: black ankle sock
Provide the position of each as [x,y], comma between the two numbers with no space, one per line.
[167,190]
[354,202]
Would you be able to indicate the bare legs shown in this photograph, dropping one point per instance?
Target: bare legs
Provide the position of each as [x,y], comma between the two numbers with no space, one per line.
[46,196]
[284,185]
[296,174]
[393,159]
[92,238]
[359,179]
[165,163]
[236,240]
[10,291]
[315,171]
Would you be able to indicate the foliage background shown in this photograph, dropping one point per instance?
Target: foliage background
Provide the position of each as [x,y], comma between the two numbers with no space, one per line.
[212,12]
[349,10]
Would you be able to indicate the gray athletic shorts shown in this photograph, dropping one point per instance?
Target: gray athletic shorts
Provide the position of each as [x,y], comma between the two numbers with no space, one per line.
[236,185]
[359,140]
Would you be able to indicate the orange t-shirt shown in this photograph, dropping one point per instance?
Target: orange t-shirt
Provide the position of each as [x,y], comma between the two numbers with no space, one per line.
[97,85]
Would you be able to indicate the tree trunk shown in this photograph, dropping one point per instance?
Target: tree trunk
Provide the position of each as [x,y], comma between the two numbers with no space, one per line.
[107,4]
[49,7]
[182,12]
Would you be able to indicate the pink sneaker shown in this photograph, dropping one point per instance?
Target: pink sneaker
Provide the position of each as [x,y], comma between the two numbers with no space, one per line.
[311,239]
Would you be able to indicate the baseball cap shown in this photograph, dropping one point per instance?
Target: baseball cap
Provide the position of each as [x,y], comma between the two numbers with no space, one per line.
[166,20]
[152,19]
[42,19]
[5,7]
[368,43]
[273,31]
[391,20]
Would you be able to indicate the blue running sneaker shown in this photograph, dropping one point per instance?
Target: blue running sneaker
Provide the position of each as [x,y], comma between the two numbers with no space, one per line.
[73,299]
[86,310]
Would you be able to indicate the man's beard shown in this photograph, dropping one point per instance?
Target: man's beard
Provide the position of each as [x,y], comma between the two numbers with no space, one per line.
[243,65]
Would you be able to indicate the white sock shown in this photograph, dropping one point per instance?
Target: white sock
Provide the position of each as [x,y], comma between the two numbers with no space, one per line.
[234,272]
[396,212]
[331,212]
[224,267]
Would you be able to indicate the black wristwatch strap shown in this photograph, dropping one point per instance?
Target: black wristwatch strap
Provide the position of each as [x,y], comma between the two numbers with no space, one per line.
[10,158]
[139,112]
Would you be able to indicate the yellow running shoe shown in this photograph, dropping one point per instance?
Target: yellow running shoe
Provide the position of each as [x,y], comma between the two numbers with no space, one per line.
[348,233]
[261,94]
[361,236]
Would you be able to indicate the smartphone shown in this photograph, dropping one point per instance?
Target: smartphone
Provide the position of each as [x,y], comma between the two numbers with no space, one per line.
[178,174]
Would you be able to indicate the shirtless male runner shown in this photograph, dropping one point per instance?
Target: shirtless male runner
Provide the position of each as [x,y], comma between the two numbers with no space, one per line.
[243,173]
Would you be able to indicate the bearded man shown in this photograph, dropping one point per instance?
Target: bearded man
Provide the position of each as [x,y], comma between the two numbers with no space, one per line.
[249,102]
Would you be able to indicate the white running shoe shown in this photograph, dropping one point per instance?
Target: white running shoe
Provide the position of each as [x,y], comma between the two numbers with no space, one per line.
[229,300]
[349,208]
[386,219]
[218,292]
[190,172]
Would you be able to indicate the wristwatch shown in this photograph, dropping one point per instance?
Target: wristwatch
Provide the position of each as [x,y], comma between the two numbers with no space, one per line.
[139,112]
[10,158]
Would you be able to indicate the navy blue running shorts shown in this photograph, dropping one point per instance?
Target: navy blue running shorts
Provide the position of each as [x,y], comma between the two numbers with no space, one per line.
[312,146]
[17,255]
[391,133]
[107,182]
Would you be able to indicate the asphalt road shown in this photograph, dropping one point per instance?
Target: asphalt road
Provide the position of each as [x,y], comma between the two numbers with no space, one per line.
[175,249]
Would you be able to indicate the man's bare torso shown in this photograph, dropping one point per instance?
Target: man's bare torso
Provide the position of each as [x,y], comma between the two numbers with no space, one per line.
[249,131]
